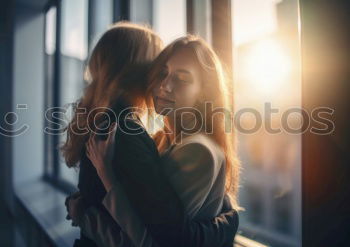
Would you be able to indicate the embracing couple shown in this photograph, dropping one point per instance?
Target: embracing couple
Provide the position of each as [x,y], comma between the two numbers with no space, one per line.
[177,187]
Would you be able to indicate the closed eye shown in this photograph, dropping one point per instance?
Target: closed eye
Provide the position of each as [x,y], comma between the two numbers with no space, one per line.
[163,73]
[181,78]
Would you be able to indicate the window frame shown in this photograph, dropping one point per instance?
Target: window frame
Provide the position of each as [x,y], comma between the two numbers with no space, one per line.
[50,99]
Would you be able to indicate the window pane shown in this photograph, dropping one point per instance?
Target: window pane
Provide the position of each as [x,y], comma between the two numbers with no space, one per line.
[169,19]
[74,28]
[267,76]
[50,48]
[101,19]
[141,11]
[74,45]
[202,19]
[50,31]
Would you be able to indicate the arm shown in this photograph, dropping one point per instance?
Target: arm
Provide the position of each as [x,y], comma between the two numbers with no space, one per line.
[195,161]
[98,225]
[219,231]
[95,223]
[214,232]
[101,228]
[192,172]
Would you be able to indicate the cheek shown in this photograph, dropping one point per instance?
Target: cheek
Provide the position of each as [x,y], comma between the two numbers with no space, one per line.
[188,96]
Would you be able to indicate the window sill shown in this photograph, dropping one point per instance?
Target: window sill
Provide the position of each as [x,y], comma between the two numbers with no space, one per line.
[45,205]
[241,241]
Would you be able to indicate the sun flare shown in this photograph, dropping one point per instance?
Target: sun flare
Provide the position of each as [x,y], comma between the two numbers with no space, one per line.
[267,66]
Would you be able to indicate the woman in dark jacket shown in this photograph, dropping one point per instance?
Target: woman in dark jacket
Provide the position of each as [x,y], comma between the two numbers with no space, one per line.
[115,58]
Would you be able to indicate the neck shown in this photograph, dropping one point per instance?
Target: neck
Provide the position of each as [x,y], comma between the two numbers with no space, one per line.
[172,126]
[175,126]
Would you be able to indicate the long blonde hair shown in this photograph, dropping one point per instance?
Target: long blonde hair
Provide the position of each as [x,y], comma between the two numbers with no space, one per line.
[123,47]
[216,89]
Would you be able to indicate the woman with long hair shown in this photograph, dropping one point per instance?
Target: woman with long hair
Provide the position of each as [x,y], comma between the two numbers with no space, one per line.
[117,70]
[188,78]
[122,46]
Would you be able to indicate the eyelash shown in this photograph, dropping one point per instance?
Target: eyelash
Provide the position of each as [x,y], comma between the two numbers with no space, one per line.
[163,74]
[179,80]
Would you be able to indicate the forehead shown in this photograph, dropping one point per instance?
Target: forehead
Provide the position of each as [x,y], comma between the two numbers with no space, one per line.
[183,58]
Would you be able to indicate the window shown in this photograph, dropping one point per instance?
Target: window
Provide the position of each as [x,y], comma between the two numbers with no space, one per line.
[74,51]
[266,74]
[100,18]
[169,19]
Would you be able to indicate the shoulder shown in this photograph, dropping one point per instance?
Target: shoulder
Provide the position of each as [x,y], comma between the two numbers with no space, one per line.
[131,126]
[201,144]
[132,134]
[201,151]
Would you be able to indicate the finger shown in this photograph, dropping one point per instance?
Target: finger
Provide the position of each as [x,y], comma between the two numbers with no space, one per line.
[103,124]
[92,137]
[91,147]
[76,194]
[90,155]
[114,126]
[93,141]
[99,145]
[88,151]
[111,133]
[92,134]
[87,145]
[68,198]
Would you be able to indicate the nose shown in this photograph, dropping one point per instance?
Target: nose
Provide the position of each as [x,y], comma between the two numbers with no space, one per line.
[166,85]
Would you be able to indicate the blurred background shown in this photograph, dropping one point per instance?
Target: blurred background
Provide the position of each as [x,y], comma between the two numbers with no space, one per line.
[44,49]
[266,70]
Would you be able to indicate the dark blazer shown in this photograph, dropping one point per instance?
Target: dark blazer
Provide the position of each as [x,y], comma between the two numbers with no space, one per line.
[137,167]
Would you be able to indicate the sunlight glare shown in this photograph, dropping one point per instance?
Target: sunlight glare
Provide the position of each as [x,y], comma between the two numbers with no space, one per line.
[267,66]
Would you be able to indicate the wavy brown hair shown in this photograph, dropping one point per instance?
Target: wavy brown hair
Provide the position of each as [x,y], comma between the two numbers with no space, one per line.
[122,54]
[216,90]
